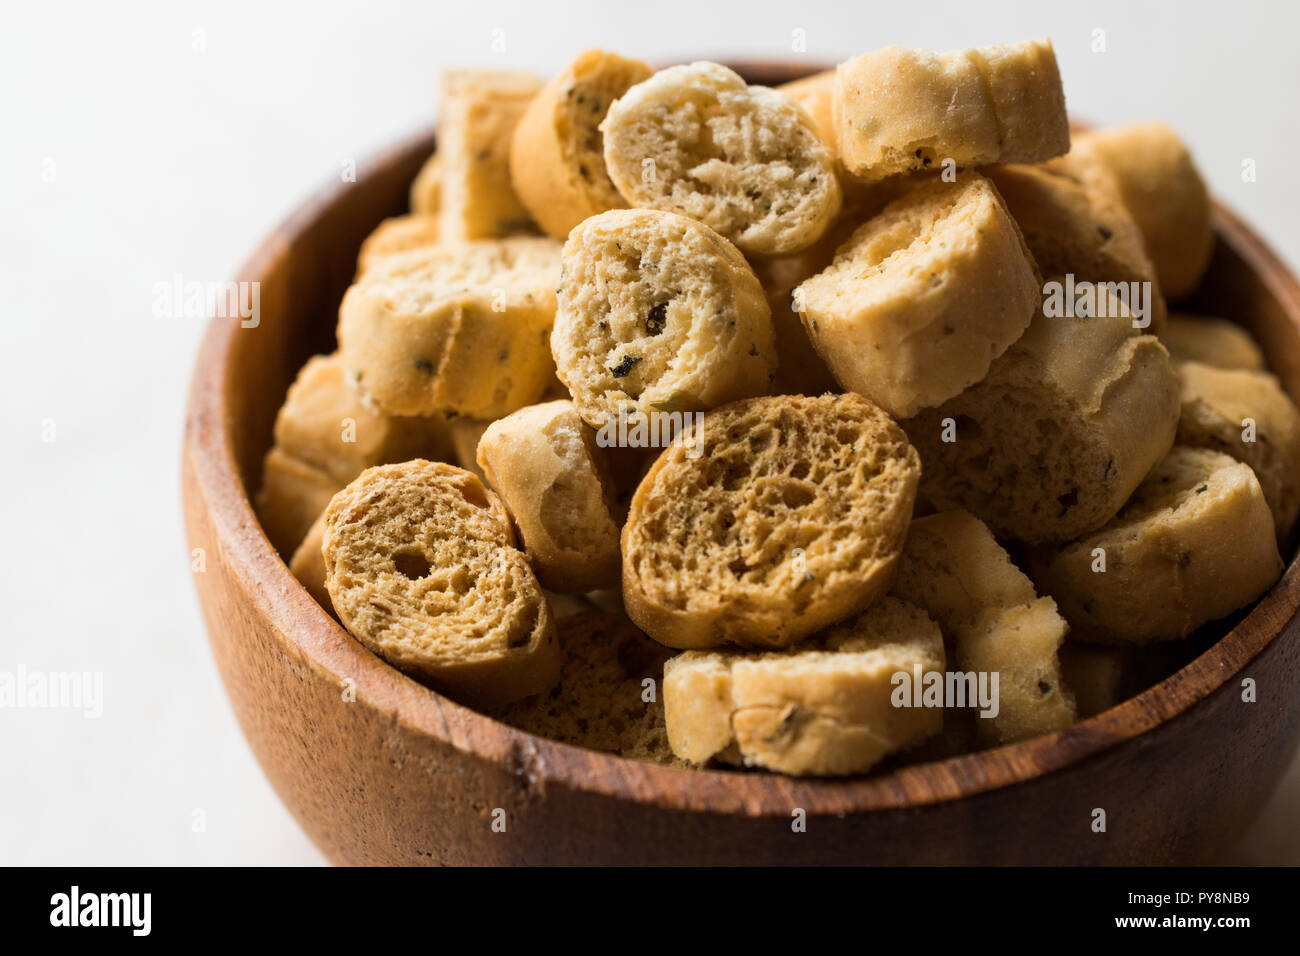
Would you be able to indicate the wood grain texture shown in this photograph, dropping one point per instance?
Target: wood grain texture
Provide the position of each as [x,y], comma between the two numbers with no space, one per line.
[402,775]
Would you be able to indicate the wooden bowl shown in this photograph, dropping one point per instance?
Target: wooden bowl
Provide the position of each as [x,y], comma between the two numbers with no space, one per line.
[404,775]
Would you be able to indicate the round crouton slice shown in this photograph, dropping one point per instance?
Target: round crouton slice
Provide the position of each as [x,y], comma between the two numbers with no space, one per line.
[768,520]
[1211,341]
[557,154]
[658,313]
[997,624]
[745,160]
[1065,425]
[421,568]
[399,234]
[292,495]
[1194,543]
[1082,228]
[544,462]
[800,370]
[461,327]
[1245,414]
[826,710]
[1163,189]
[324,423]
[480,110]
[924,296]
[897,110]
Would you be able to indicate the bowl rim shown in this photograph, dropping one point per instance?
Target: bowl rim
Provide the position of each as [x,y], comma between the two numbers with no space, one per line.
[306,632]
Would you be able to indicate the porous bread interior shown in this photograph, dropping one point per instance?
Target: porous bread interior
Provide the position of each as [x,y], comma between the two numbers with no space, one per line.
[598,702]
[831,475]
[651,297]
[1023,420]
[745,160]
[420,563]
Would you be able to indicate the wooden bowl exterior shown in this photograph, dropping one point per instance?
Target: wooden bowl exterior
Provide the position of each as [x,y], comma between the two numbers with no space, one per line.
[402,775]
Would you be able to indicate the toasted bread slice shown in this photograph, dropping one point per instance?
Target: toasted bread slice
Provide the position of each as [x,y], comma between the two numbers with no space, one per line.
[557,153]
[609,696]
[828,709]
[544,462]
[924,296]
[480,110]
[1163,189]
[954,569]
[1194,543]
[308,564]
[1211,341]
[426,188]
[658,313]
[1247,415]
[458,327]
[324,423]
[399,234]
[767,521]
[1080,227]
[292,495]
[746,160]
[421,567]
[897,110]
[1055,438]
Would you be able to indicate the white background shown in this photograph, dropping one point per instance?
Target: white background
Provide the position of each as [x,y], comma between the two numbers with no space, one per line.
[139,142]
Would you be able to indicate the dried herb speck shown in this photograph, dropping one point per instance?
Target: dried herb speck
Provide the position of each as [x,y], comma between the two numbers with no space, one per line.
[657,320]
[628,363]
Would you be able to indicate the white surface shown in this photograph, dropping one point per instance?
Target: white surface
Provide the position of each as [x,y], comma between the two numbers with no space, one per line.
[179,134]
